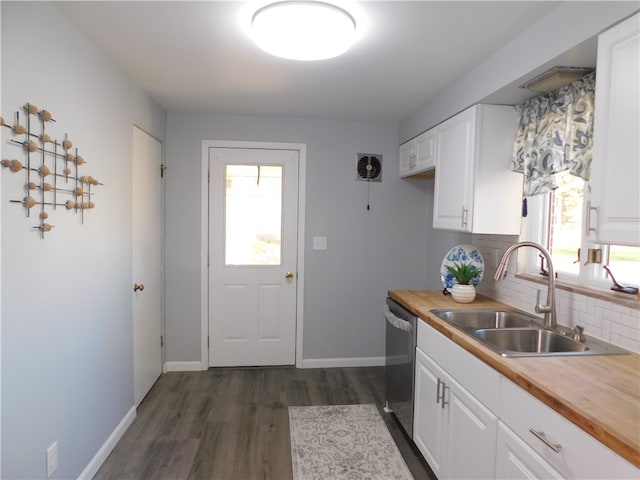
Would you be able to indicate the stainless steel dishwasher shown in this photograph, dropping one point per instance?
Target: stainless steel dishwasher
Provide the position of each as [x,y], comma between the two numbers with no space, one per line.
[401,335]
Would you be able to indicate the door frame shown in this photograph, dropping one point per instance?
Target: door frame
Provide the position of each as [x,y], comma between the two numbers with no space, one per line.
[301,148]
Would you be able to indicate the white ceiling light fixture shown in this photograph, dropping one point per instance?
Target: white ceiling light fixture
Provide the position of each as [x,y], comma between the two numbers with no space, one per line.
[303,30]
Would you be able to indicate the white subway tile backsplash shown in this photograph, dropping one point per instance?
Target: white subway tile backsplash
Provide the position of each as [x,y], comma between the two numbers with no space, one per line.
[629,321]
[620,330]
[609,321]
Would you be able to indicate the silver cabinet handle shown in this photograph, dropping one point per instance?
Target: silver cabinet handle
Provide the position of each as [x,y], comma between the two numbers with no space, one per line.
[464,217]
[444,392]
[441,396]
[588,228]
[543,438]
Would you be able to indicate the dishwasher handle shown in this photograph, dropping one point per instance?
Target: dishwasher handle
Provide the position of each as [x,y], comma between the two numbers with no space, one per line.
[396,321]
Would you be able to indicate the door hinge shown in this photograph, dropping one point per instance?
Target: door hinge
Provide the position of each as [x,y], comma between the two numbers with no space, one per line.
[207,341]
[162,169]
[161,341]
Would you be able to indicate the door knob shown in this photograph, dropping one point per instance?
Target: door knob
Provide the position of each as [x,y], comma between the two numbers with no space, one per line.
[138,287]
[289,276]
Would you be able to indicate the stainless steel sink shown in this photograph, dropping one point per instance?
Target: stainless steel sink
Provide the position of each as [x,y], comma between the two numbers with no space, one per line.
[476,319]
[529,340]
[513,333]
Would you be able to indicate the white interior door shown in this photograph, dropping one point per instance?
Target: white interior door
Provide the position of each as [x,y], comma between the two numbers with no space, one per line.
[147,261]
[253,209]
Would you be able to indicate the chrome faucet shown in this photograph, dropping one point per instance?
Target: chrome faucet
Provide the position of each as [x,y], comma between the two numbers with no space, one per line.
[549,309]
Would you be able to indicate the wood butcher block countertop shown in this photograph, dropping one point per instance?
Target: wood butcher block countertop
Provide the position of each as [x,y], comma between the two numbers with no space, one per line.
[598,393]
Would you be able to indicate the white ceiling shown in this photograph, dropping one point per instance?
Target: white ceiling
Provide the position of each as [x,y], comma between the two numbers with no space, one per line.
[196,57]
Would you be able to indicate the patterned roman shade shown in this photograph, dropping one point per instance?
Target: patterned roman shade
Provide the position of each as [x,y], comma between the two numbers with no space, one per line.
[555,134]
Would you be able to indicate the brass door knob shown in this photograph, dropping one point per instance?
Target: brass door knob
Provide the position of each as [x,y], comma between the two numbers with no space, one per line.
[138,287]
[289,276]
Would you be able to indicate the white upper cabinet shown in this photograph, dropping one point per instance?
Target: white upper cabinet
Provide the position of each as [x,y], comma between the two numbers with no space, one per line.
[614,215]
[418,155]
[475,189]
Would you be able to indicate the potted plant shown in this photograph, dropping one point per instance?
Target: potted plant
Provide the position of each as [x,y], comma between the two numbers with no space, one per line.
[464,291]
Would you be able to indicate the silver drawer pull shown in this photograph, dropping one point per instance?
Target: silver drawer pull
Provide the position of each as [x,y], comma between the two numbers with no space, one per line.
[438,391]
[542,437]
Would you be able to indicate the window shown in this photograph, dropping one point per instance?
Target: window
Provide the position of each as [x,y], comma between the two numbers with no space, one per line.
[565,231]
[253,207]
[555,220]
[624,262]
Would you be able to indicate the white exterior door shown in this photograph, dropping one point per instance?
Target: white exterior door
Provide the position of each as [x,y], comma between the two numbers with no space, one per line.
[147,261]
[253,215]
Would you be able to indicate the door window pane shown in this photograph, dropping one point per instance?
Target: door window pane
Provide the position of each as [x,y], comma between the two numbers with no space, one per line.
[253,214]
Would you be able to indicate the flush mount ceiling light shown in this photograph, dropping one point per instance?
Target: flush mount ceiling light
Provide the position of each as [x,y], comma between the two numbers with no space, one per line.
[303,30]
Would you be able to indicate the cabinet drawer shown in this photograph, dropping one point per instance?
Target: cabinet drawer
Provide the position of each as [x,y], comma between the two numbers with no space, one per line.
[579,456]
[478,378]
[516,460]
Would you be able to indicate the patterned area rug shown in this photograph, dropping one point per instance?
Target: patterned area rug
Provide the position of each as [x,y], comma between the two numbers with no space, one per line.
[343,442]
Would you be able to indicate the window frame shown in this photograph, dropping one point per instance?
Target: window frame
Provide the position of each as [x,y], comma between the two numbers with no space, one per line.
[536,227]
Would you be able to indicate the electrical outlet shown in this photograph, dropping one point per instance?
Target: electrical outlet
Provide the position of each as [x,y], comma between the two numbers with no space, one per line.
[52,459]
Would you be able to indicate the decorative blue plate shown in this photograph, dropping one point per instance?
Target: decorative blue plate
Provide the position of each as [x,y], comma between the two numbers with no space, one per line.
[461,254]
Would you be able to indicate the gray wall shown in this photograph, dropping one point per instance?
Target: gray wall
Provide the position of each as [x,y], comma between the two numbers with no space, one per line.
[568,25]
[439,242]
[368,252]
[67,360]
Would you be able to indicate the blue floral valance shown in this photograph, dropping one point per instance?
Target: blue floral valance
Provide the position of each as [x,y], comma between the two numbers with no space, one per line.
[555,134]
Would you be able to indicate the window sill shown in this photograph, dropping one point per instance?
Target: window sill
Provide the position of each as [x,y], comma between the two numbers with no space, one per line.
[618,298]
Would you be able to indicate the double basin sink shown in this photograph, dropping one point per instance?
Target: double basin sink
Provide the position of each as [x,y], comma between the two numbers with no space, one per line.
[513,333]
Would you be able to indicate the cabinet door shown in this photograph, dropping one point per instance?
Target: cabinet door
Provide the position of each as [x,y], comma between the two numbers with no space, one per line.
[616,168]
[515,460]
[407,157]
[426,151]
[455,164]
[472,431]
[429,416]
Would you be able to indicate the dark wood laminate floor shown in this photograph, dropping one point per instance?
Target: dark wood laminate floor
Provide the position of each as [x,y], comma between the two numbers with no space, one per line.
[233,423]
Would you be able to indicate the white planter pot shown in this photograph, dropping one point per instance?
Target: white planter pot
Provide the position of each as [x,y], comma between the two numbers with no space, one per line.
[463,293]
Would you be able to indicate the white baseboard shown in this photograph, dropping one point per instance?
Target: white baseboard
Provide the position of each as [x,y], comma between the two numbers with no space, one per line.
[99,458]
[343,362]
[183,367]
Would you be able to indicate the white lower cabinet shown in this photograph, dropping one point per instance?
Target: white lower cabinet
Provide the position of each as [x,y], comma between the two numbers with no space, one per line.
[559,445]
[453,430]
[515,460]
[472,422]
[428,416]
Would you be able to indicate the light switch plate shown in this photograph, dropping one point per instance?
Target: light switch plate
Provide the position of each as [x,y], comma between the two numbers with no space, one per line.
[319,243]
